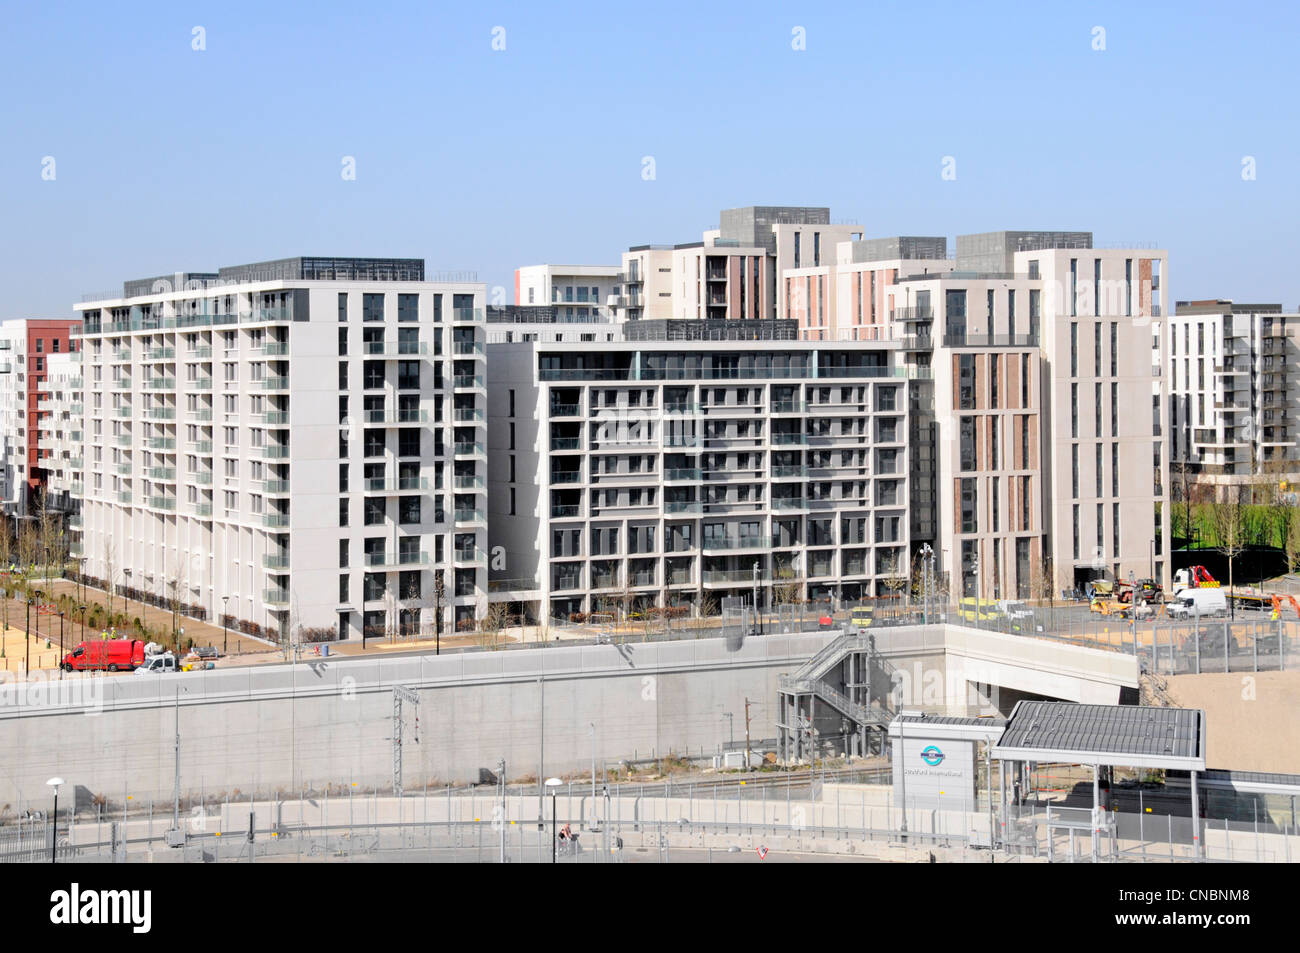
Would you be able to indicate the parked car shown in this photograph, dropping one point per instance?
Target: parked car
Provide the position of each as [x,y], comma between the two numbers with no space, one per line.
[112,655]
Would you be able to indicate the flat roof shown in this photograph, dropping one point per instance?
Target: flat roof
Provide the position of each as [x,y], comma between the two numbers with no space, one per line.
[1253,782]
[1128,735]
[946,726]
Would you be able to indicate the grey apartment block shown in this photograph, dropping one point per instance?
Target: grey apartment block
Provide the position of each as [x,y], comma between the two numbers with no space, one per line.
[900,247]
[294,452]
[752,225]
[648,473]
[992,252]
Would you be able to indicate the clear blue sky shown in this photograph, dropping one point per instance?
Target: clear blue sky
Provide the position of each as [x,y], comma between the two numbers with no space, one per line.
[168,159]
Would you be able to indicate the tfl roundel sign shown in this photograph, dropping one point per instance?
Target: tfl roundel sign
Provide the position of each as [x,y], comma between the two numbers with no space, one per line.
[932,756]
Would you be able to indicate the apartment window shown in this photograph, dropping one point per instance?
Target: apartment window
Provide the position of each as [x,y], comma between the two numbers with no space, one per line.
[1101,527]
[969,521]
[1114,349]
[1074,469]
[1100,485]
[511,411]
[1074,348]
[1035,312]
[994,441]
[1074,287]
[1076,530]
[343,375]
[1114,410]
[1024,443]
[1096,349]
[1096,409]
[968,443]
[343,512]
[372,307]
[372,374]
[1128,286]
[344,561]
[1074,411]
[409,509]
[408,442]
[373,443]
[1096,286]
[966,381]
[995,361]
[994,502]
[408,375]
[343,477]
[1114,468]
[1024,504]
[408,307]
[373,586]
[374,510]
[343,588]
[512,501]
[343,309]
[1011,312]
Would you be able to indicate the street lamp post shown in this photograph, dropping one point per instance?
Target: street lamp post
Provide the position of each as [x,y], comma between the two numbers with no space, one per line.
[225,616]
[27,636]
[54,839]
[553,783]
[83,623]
[60,642]
[756,615]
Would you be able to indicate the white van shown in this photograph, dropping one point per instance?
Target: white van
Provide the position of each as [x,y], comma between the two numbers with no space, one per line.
[157,664]
[1189,603]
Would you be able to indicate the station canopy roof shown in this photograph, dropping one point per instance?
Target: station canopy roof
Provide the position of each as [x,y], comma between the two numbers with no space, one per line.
[1121,735]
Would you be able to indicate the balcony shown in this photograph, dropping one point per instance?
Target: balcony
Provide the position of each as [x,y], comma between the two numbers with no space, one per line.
[679,474]
[681,410]
[161,383]
[566,410]
[274,487]
[468,483]
[275,520]
[160,354]
[122,383]
[123,440]
[788,407]
[396,560]
[400,485]
[468,414]
[788,473]
[161,443]
[275,383]
[201,353]
[202,446]
[163,474]
[737,542]
[789,504]
[276,418]
[713,577]
[162,502]
[469,449]
[566,443]
[400,349]
[124,469]
[199,383]
[203,510]
[275,453]
[787,439]
[124,497]
[394,418]
[275,561]
[467,555]
[468,381]
[468,348]
[275,349]
[470,516]
[682,506]
[467,315]
[275,597]
[202,478]
[200,414]
[161,413]
[122,412]
[570,511]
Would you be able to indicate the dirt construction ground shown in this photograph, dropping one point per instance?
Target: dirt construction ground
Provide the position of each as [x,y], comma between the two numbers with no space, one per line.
[1250,718]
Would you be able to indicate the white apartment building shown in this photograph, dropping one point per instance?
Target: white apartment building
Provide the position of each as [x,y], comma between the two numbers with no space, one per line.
[551,324]
[576,292]
[1089,323]
[26,347]
[296,443]
[666,471]
[1233,383]
[732,272]
[61,440]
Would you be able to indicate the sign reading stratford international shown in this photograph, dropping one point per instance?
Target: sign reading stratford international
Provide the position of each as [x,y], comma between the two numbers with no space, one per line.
[935,774]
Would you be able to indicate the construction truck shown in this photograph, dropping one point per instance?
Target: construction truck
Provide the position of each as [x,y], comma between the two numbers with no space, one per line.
[1194,577]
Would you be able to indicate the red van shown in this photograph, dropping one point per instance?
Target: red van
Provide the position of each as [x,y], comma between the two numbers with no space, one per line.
[114,655]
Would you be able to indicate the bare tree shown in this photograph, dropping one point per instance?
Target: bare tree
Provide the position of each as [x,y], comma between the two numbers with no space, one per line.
[789,590]
[28,547]
[176,581]
[110,568]
[6,562]
[49,532]
[498,615]
[1227,519]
